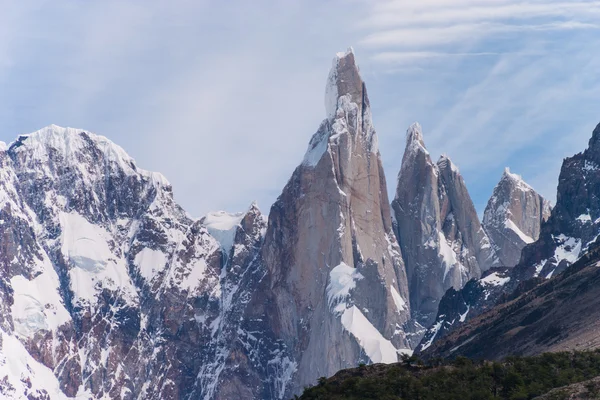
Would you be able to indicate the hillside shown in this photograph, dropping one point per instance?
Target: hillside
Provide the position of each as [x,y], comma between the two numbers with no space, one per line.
[513,378]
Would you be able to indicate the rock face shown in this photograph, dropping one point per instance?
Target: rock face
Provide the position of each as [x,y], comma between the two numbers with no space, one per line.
[442,240]
[335,291]
[513,217]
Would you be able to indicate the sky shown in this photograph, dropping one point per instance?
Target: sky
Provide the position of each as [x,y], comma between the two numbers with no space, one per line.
[223,97]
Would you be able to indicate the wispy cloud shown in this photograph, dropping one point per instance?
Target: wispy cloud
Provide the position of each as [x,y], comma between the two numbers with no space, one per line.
[222,97]
[494,82]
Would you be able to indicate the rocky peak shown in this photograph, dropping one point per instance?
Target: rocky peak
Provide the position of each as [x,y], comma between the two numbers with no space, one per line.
[513,217]
[439,231]
[344,80]
[335,288]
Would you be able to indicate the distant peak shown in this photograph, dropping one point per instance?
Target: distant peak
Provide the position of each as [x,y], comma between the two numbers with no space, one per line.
[344,79]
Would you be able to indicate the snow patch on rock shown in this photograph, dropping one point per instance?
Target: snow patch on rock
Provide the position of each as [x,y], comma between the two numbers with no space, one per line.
[342,279]
[377,348]
[223,226]
[37,304]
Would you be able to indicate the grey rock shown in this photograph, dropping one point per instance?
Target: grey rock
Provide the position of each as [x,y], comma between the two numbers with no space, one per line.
[442,240]
[513,217]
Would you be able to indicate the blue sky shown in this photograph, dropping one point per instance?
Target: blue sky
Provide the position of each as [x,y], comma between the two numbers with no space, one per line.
[223,97]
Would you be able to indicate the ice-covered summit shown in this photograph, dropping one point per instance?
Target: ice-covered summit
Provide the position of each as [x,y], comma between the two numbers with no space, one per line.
[73,147]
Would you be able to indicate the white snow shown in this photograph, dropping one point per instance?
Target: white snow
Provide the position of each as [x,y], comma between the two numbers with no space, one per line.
[37,303]
[583,218]
[518,180]
[283,371]
[494,279]
[568,249]
[150,262]
[414,140]
[435,329]
[590,166]
[21,370]
[445,160]
[69,143]
[464,316]
[342,279]
[223,226]
[331,90]
[94,266]
[539,267]
[398,300]
[508,224]
[447,254]
[377,348]
[197,274]
[316,148]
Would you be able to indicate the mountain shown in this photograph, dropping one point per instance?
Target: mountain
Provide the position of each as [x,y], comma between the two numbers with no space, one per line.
[334,291]
[441,238]
[109,287]
[513,217]
[568,235]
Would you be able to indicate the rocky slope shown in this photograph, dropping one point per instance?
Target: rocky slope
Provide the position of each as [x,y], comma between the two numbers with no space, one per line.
[442,240]
[570,232]
[558,314]
[513,217]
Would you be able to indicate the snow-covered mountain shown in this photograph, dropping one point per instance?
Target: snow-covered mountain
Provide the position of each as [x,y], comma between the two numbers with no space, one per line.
[108,286]
[442,240]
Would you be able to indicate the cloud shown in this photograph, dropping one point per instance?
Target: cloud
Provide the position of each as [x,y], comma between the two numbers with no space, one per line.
[223,97]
